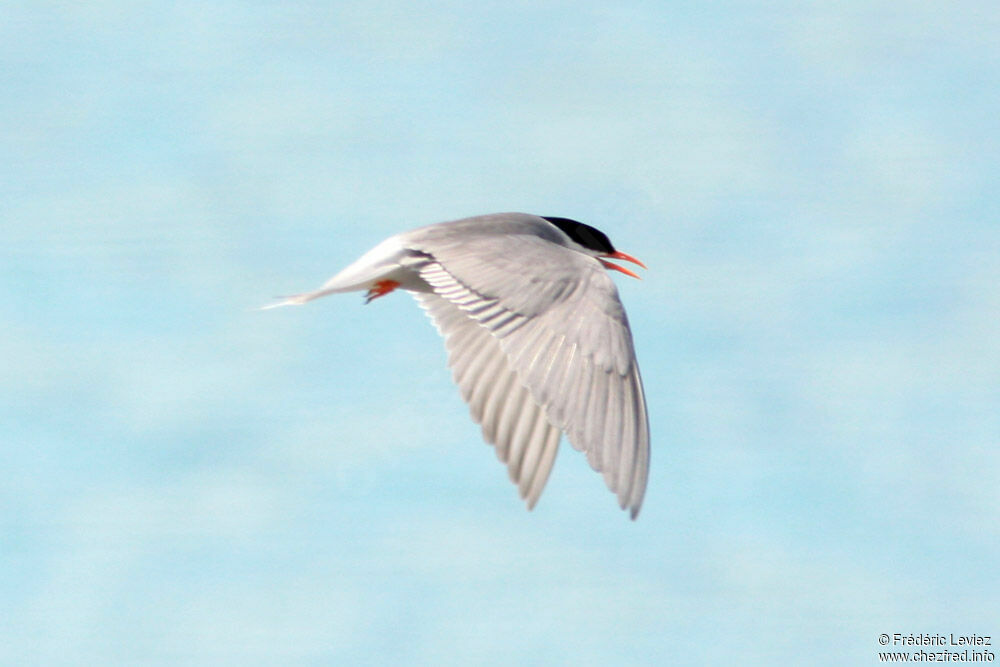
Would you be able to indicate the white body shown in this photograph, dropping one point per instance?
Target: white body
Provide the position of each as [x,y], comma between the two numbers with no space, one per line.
[537,340]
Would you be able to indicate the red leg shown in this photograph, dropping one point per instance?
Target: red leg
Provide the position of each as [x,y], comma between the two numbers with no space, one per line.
[381,288]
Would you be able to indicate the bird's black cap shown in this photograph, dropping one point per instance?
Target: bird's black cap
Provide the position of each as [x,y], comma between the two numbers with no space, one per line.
[585,235]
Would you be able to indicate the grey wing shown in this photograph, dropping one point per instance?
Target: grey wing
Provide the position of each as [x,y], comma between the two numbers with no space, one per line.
[556,317]
[510,418]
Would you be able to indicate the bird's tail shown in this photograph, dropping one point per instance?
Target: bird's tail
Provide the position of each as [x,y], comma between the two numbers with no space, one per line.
[377,264]
[295,299]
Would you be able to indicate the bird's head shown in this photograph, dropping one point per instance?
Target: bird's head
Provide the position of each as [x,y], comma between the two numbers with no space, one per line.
[595,243]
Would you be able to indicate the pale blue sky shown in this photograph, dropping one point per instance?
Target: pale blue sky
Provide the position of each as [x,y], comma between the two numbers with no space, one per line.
[188,480]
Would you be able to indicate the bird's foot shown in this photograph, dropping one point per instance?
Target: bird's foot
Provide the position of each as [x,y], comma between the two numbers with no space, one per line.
[381,288]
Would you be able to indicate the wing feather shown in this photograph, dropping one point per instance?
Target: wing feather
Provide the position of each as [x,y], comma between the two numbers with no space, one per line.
[629,440]
[504,389]
[612,434]
[594,418]
[485,384]
[532,452]
[544,466]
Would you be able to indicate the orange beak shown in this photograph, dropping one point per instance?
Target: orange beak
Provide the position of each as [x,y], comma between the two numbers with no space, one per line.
[624,257]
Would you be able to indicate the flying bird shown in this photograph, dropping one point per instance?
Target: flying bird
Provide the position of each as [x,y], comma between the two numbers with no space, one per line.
[537,338]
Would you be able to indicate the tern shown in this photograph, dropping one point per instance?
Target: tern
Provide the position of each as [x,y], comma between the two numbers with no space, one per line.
[538,341]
